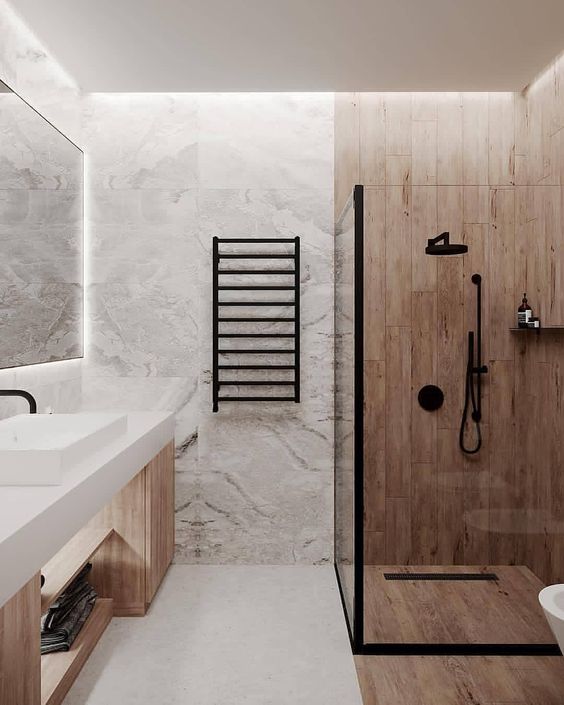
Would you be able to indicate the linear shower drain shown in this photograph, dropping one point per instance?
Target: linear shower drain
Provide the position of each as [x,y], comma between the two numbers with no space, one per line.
[440,576]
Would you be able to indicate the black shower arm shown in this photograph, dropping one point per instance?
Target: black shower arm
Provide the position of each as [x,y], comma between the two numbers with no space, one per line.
[443,237]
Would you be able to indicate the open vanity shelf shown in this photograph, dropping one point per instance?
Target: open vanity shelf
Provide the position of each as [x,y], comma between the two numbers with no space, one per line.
[59,671]
[69,561]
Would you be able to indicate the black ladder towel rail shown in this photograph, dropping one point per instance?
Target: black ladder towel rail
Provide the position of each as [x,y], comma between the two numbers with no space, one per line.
[289,272]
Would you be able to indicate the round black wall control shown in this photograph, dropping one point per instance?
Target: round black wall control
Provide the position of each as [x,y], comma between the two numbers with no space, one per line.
[430,397]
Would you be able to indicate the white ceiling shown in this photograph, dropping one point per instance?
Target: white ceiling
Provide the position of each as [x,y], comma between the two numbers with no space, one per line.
[310,45]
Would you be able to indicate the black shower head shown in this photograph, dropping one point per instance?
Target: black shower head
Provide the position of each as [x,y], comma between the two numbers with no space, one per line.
[441,245]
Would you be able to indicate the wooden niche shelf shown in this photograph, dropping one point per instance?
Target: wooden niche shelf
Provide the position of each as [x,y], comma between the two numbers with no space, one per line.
[537,330]
[68,562]
[59,670]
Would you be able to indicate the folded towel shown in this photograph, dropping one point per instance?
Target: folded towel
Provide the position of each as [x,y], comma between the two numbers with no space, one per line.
[66,616]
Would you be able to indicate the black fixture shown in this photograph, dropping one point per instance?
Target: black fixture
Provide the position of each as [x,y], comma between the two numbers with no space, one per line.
[441,576]
[430,397]
[20,393]
[441,245]
[474,371]
[355,574]
[289,328]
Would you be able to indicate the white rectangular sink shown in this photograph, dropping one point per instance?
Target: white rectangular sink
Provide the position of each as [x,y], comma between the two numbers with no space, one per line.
[38,449]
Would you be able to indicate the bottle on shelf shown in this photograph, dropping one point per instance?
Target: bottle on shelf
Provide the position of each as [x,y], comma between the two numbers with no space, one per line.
[524,313]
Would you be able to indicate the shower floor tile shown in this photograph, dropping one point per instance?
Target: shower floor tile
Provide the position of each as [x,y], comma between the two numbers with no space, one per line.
[444,611]
[461,680]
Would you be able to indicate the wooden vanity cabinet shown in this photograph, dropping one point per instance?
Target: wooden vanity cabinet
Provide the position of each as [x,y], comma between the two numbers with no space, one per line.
[159,519]
[20,659]
[131,564]
[130,544]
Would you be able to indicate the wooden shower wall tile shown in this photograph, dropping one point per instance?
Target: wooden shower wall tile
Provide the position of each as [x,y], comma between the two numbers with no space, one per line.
[450,211]
[398,530]
[503,498]
[503,304]
[450,162]
[347,167]
[424,511]
[449,139]
[424,106]
[450,308]
[424,152]
[375,273]
[475,138]
[521,146]
[451,338]
[525,254]
[450,498]
[398,411]
[476,236]
[398,123]
[398,170]
[423,371]
[372,126]
[539,246]
[501,139]
[398,256]
[548,238]
[374,547]
[423,226]
[375,445]
[476,204]
[476,486]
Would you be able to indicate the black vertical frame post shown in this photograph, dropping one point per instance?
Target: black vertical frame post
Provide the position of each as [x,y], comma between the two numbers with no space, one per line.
[358,610]
[215,332]
[297,292]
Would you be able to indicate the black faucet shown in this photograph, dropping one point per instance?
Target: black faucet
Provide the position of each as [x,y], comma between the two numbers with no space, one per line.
[20,393]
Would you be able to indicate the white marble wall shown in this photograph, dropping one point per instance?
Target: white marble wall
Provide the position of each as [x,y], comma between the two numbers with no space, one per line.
[167,173]
[28,68]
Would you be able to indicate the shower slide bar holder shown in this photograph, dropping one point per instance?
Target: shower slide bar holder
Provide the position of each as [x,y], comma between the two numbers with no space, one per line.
[473,378]
[274,336]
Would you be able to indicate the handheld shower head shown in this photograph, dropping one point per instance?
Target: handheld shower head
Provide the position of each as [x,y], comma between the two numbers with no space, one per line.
[441,245]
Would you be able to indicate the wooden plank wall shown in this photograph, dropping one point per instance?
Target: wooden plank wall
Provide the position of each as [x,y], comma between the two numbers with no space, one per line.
[490,169]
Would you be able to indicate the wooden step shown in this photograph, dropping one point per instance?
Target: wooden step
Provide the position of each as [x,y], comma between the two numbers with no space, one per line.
[69,561]
[59,670]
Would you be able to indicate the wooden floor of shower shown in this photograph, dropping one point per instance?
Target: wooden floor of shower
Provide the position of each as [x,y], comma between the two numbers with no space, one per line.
[461,680]
[503,611]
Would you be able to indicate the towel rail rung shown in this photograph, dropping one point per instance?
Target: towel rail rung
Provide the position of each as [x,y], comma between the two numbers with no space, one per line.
[256,335]
[256,367]
[273,398]
[257,271]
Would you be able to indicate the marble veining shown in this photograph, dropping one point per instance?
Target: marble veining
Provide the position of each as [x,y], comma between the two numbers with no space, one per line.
[254,482]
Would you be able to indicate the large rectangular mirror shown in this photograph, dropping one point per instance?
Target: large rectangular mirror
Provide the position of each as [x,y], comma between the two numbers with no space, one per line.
[41,238]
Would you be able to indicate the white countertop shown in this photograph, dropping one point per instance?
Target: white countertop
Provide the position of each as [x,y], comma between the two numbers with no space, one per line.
[36,522]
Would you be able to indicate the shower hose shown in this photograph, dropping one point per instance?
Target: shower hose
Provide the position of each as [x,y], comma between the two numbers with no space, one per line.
[470,402]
